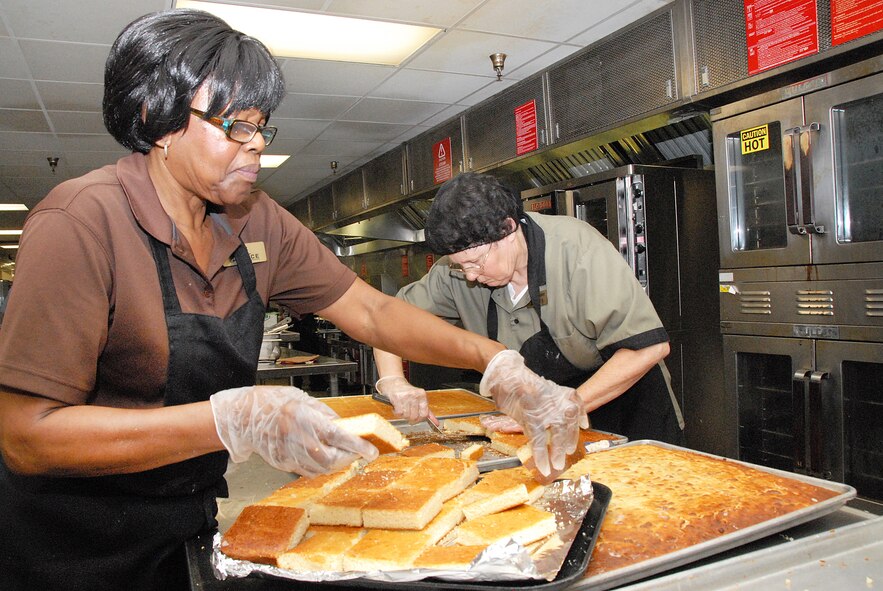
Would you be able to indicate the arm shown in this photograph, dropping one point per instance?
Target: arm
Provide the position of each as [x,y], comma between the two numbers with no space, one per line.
[620,373]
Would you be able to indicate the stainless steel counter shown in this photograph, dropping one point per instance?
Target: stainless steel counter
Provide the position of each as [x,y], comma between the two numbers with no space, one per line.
[330,366]
[841,550]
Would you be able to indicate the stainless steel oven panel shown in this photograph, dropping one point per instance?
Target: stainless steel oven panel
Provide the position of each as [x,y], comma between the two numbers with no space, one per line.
[844,131]
[757,191]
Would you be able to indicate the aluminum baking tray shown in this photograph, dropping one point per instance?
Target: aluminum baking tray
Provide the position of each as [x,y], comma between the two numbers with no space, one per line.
[727,541]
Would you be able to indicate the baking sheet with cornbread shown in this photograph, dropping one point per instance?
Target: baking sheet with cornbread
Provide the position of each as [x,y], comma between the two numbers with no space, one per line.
[671,506]
[442,403]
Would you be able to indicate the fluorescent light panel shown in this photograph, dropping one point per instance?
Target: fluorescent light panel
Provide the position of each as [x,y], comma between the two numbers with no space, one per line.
[10,232]
[273,160]
[9,246]
[13,207]
[307,35]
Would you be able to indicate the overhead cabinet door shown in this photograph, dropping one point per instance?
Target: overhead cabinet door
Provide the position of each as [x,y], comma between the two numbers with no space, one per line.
[385,179]
[435,156]
[349,195]
[322,209]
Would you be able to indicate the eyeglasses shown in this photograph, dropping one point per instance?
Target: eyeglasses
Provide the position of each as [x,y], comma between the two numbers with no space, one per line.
[461,270]
[238,130]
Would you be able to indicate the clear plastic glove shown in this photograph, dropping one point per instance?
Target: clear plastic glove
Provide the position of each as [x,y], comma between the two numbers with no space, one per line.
[550,415]
[500,424]
[408,401]
[287,427]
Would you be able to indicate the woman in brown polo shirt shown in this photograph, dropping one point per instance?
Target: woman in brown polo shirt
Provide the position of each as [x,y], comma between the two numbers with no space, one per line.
[129,347]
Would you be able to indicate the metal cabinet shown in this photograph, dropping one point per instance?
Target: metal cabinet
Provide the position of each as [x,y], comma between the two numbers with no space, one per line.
[385,179]
[349,195]
[423,155]
[301,210]
[500,129]
[322,212]
[626,75]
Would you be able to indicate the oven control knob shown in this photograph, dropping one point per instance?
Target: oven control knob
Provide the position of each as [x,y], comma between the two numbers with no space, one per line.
[639,228]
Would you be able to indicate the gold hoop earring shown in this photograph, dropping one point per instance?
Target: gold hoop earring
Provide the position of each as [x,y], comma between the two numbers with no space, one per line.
[165,151]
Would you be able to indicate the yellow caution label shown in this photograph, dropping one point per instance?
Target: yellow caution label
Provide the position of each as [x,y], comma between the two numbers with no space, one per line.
[755,139]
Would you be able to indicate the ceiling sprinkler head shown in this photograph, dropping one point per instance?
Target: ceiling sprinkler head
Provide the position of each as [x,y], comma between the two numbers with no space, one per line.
[334,167]
[498,60]
[53,163]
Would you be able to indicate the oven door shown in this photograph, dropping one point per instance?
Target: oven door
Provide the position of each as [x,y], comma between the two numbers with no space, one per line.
[843,203]
[757,188]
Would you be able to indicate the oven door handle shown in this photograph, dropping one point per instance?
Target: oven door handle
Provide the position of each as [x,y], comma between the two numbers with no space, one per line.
[790,159]
[807,135]
[814,420]
[799,396]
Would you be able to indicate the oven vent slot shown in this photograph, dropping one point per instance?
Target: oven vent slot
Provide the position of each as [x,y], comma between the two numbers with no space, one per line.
[815,302]
[874,302]
[755,302]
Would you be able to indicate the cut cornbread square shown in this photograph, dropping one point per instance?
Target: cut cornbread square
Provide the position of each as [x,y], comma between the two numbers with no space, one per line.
[321,549]
[473,453]
[262,532]
[506,499]
[448,557]
[342,506]
[496,482]
[429,450]
[376,430]
[401,508]
[464,425]
[384,549]
[324,482]
[524,524]
[507,443]
[449,476]
[448,518]
[293,497]
[376,479]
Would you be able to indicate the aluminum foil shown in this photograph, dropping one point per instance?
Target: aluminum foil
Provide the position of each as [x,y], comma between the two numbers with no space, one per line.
[568,500]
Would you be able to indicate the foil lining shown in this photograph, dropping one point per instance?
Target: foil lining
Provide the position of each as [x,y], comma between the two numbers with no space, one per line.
[567,500]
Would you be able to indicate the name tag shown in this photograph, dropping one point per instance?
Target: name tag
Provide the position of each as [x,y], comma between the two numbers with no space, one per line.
[257,252]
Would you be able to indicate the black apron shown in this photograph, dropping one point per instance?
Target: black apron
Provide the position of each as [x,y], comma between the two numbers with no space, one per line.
[126,531]
[644,411]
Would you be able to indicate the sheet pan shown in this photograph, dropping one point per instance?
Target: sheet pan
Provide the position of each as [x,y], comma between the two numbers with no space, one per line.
[727,541]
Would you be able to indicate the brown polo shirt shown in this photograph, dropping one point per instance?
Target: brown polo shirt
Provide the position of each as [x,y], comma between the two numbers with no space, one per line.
[85,322]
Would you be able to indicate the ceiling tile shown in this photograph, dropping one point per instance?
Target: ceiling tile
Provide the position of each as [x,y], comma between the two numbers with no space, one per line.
[468,52]
[542,62]
[17,94]
[15,142]
[311,106]
[13,64]
[362,131]
[319,163]
[298,129]
[77,122]
[334,78]
[87,21]
[93,159]
[26,157]
[537,20]
[443,116]
[432,87]
[339,150]
[71,96]
[20,120]
[65,62]
[82,141]
[393,111]
[489,90]
[624,16]
[286,146]
[30,189]
[426,12]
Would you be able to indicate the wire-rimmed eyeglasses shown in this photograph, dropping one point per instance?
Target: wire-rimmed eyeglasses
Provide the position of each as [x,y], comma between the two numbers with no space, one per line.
[238,130]
[462,270]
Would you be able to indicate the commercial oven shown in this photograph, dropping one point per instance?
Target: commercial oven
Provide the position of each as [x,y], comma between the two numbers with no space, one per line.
[800,197]
[663,221]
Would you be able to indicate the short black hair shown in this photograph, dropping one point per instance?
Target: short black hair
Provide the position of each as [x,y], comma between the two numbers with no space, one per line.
[469,210]
[161,59]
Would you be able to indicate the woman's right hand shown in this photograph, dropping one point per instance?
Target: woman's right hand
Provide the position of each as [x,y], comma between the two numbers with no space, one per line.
[408,401]
[288,428]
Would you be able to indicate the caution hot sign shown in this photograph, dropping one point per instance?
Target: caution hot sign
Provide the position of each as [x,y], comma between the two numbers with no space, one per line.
[755,139]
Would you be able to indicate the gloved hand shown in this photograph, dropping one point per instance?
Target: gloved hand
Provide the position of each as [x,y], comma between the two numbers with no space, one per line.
[408,401]
[500,424]
[550,415]
[287,427]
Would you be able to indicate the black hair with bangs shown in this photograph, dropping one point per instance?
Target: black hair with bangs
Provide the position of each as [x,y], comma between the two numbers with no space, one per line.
[160,60]
[469,210]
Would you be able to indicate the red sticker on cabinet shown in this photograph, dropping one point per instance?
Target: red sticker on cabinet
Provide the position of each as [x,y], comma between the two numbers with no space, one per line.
[851,19]
[442,168]
[526,139]
[779,31]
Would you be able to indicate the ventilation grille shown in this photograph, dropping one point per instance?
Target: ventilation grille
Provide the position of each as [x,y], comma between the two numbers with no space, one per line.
[874,302]
[755,302]
[815,302]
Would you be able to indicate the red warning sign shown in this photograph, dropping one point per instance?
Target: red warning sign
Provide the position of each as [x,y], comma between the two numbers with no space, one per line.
[851,19]
[442,168]
[780,31]
[526,139]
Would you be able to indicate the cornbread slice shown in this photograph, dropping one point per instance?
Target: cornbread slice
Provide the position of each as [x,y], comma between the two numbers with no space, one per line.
[429,450]
[448,557]
[449,476]
[392,462]
[384,549]
[472,453]
[294,497]
[401,508]
[262,532]
[465,425]
[376,430]
[342,506]
[524,524]
[497,482]
[448,518]
[321,549]
[514,495]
